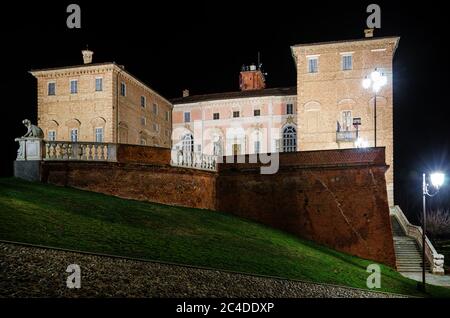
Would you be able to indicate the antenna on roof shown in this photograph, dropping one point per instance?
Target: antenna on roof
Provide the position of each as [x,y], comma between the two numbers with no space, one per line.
[259,60]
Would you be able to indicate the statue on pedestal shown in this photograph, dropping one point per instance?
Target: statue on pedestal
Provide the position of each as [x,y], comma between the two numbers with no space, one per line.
[33,130]
[30,144]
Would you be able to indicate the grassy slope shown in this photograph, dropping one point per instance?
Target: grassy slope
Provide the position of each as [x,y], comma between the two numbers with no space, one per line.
[74,219]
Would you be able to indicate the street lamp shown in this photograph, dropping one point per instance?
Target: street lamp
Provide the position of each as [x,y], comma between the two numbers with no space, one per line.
[375,81]
[437,180]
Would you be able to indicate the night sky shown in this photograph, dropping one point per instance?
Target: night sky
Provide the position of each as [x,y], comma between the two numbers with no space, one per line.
[201,46]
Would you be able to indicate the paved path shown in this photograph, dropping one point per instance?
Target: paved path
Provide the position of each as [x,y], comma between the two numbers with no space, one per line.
[38,272]
[438,280]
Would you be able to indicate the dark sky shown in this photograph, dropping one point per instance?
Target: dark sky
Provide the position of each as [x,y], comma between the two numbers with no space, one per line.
[200,45]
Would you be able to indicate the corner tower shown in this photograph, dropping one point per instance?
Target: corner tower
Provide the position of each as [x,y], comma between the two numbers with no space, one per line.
[331,98]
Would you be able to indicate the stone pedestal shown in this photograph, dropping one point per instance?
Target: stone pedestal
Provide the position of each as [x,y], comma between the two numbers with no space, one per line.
[29,155]
[30,148]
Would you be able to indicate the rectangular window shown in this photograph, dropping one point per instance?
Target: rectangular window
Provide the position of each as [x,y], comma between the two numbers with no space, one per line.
[51,135]
[257,146]
[187,117]
[347,62]
[155,127]
[51,89]
[74,135]
[98,84]
[289,109]
[167,132]
[216,116]
[99,134]
[143,142]
[73,86]
[236,114]
[256,112]
[167,115]
[143,101]
[155,109]
[313,65]
[123,89]
[143,121]
[347,120]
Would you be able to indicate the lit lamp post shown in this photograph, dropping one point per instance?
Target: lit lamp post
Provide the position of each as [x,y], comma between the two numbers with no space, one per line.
[375,81]
[437,180]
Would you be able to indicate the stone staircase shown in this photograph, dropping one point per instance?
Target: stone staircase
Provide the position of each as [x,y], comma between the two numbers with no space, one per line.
[407,251]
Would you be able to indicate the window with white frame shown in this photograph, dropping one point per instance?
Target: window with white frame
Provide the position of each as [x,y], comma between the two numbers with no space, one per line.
[99,134]
[347,120]
[187,117]
[123,89]
[289,109]
[51,135]
[74,135]
[236,114]
[155,108]
[99,84]
[256,112]
[51,89]
[216,116]
[155,127]
[143,141]
[143,121]
[188,143]
[143,101]
[167,115]
[347,62]
[73,86]
[313,64]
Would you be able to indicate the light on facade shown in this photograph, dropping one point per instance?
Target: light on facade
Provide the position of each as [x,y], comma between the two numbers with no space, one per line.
[366,83]
[376,81]
[361,143]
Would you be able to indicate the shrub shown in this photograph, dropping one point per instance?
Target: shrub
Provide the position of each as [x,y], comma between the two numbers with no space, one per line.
[438,223]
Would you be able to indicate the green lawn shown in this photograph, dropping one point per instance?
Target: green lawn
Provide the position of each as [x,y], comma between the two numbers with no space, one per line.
[75,219]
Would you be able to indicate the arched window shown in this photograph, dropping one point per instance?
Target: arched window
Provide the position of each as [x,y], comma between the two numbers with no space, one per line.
[289,139]
[188,143]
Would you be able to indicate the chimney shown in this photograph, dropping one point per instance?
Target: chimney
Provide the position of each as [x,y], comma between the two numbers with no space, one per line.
[87,56]
[368,33]
[185,93]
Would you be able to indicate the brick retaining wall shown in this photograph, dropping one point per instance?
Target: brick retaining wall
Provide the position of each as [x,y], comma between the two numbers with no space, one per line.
[335,197]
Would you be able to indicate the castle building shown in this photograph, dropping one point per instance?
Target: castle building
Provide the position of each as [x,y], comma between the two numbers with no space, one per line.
[101,102]
[328,109]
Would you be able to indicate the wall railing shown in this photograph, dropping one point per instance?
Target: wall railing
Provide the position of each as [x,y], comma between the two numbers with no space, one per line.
[346,136]
[195,160]
[433,257]
[84,151]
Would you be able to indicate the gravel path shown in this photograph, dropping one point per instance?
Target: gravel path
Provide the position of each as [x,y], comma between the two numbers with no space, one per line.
[39,272]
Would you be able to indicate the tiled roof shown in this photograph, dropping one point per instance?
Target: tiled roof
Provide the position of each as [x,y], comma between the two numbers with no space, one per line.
[281,91]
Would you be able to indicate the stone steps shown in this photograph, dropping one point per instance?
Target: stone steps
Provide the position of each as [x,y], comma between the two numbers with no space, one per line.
[407,251]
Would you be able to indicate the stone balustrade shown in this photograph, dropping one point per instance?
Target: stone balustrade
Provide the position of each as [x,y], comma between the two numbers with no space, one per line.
[195,160]
[39,149]
[85,151]
[435,259]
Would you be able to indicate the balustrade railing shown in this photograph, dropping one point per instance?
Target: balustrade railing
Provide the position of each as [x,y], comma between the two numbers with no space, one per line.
[196,160]
[435,259]
[83,151]
[346,136]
